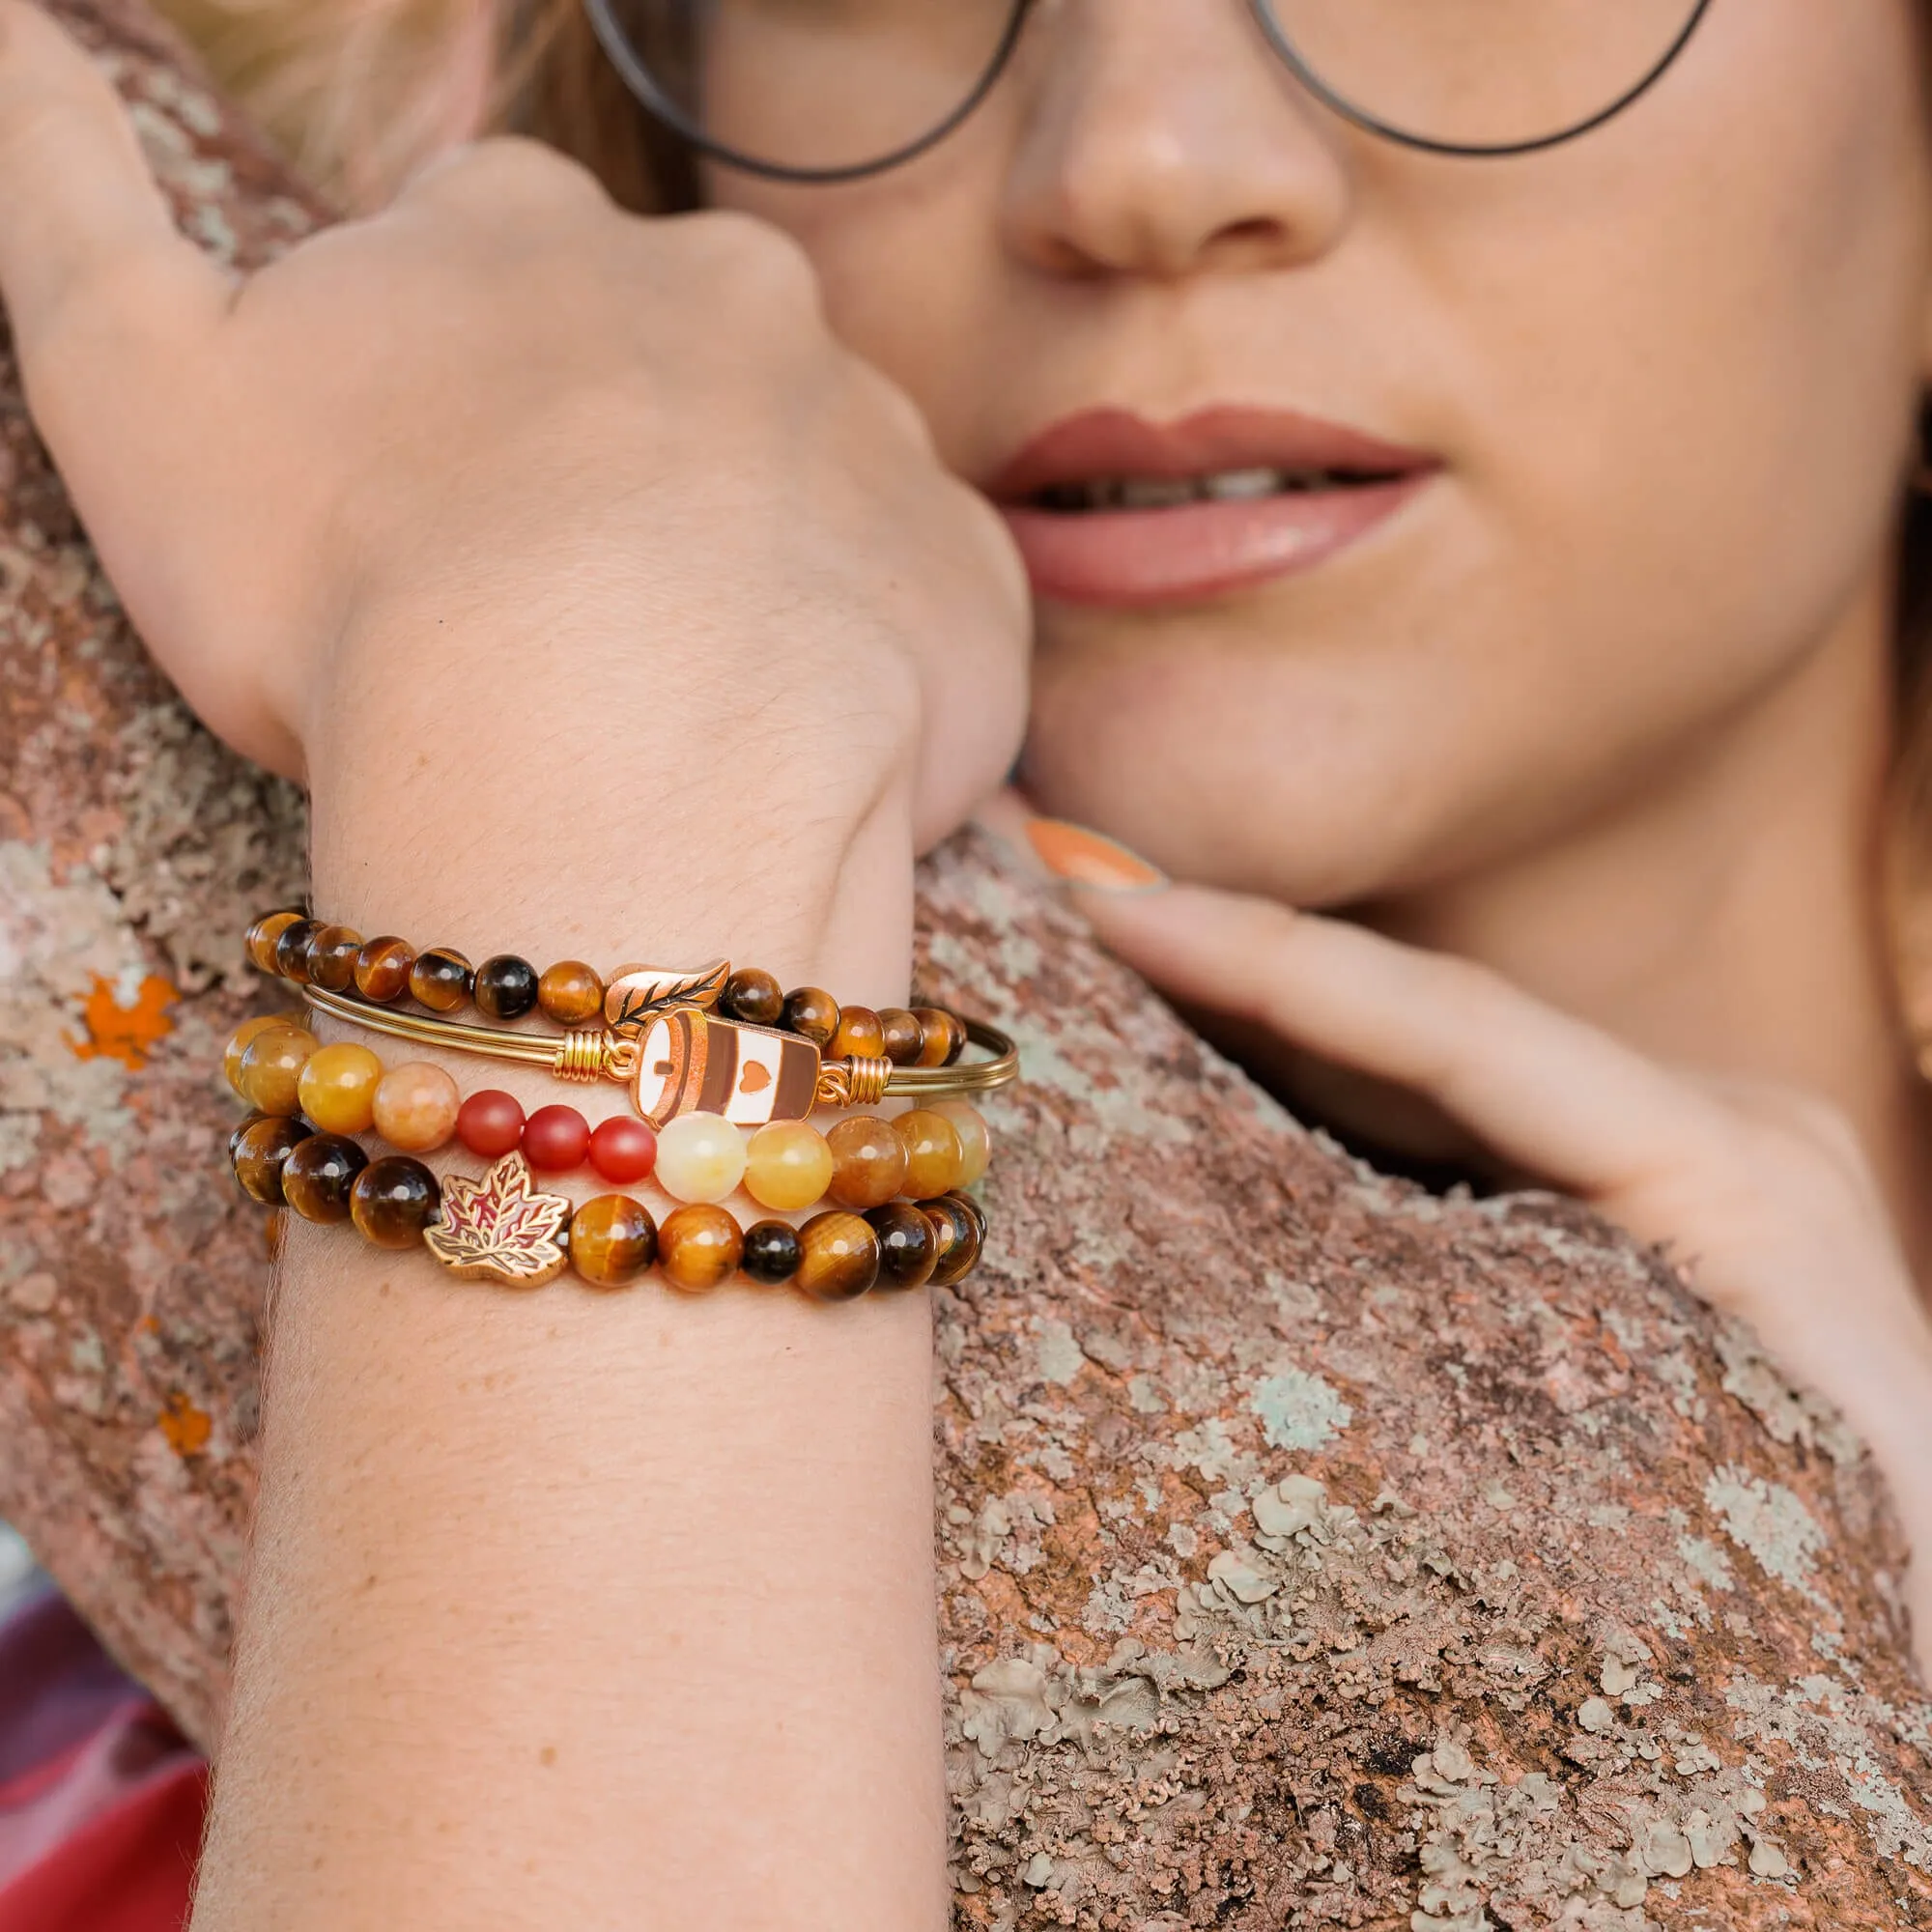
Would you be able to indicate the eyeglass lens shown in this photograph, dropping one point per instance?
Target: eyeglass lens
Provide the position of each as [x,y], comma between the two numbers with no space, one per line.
[831,87]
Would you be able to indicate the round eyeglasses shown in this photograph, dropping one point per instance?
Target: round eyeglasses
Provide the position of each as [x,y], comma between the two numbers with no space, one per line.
[831,89]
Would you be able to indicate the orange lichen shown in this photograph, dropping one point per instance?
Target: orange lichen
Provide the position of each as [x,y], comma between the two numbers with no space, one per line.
[187,1427]
[127,1034]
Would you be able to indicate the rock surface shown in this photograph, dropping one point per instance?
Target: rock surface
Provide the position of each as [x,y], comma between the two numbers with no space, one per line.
[1313,1551]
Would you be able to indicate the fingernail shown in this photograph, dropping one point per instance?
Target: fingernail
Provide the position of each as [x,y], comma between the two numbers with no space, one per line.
[1085,858]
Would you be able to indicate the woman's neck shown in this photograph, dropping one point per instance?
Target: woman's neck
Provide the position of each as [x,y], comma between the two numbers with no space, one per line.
[1728,915]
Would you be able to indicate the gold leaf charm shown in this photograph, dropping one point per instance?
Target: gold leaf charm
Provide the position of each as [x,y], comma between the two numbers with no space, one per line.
[640,991]
[499,1229]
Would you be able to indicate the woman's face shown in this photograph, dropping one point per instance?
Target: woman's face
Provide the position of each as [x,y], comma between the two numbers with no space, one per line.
[1650,394]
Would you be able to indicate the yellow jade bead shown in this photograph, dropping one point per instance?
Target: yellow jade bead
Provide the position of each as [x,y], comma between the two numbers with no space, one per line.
[975,1139]
[238,1041]
[701,1158]
[415,1107]
[337,1087]
[271,1062]
[788,1165]
[932,1154]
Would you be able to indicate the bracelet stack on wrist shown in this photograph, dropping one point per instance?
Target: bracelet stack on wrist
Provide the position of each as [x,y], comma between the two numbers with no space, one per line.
[723,1066]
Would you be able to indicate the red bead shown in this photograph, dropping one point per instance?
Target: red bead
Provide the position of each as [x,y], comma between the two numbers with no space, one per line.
[490,1123]
[555,1139]
[623,1150]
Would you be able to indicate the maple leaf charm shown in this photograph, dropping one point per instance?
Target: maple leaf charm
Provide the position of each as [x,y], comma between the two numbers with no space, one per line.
[499,1229]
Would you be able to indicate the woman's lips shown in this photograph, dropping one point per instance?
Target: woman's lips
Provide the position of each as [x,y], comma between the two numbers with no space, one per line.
[1138,557]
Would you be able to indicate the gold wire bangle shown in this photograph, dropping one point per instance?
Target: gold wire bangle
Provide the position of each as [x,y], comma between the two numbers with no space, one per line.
[601,1055]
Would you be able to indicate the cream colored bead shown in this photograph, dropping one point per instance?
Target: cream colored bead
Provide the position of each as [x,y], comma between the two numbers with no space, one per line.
[788,1166]
[701,1158]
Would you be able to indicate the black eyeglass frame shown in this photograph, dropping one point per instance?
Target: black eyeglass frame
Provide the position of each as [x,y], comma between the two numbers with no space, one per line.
[643,84]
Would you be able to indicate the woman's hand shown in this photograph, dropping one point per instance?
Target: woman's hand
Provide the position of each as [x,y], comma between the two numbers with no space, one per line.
[503,390]
[1762,1195]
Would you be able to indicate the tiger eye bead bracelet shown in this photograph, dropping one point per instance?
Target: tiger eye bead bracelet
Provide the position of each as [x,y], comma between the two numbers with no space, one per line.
[337,960]
[500,1229]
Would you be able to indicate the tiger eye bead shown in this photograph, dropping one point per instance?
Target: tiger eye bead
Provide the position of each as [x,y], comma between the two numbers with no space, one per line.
[440,980]
[414,1107]
[271,1068]
[570,993]
[263,935]
[944,1036]
[318,1175]
[753,995]
[868,1162]
[901,1037]
[933,1153]
[332,958]
[773,1252]
[259,1151]
[841,1257]
[393,1200]
[612,1240]
[383,969]
[291,949]
[860,1034]
[961,1228]
[239,1042]
[975,1139]
[908,1246]
[337,1087]
[698,1246]
[788,1165]
[810,1012]
[504,987]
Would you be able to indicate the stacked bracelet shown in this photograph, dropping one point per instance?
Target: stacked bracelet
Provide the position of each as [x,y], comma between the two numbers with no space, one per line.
[723,1068]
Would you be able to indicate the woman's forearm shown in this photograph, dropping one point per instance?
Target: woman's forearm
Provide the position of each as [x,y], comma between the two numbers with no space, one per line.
[572,1609]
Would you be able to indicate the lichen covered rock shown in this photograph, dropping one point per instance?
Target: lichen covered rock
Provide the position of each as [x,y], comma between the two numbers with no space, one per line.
[1313,1551]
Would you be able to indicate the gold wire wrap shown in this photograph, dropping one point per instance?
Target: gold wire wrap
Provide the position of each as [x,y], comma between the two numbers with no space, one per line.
[854,1082]
[583,1056]
[598,1055]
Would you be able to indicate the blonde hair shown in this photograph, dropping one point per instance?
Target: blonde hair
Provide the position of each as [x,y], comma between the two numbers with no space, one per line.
[359,93]
[362,92]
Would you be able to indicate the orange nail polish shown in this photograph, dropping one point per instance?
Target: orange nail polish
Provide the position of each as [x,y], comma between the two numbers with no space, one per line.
[1086,857]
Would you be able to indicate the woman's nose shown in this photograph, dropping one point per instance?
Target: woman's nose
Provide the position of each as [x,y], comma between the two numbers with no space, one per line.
[1166,140]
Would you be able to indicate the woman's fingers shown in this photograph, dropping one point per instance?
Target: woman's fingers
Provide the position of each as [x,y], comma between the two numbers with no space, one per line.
[1548,1093]
[92,268]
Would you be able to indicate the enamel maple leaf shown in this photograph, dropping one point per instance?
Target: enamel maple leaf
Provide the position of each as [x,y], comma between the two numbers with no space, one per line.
[499,1228]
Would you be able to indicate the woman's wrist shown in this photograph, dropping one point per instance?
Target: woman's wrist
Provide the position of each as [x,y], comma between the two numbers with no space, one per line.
[625,808]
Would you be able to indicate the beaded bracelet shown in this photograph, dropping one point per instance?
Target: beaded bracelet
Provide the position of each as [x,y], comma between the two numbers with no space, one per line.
[338,960]
[280,1069]
[661,1037]
[502,1230]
